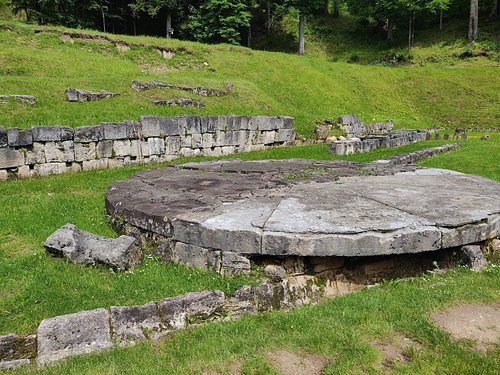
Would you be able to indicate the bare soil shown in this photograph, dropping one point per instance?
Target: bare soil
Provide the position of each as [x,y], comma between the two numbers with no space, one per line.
[472,321]
[396,349]
[289,363]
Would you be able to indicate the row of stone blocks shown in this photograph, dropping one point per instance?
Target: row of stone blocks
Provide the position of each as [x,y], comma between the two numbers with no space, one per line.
[44,150]
[374,141]
[413,157]
[101,329]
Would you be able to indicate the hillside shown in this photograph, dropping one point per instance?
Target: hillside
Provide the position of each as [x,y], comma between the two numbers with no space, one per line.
[450,93]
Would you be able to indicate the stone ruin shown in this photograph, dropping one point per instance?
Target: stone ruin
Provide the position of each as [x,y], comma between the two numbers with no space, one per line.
[26,99]
[79,95]
[361,137]
[341,220]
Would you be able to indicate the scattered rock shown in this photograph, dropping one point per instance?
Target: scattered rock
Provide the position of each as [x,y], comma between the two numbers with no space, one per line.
[179,102]
[86,248]
[289,363]
[472,257]
[202,91]
[28,99]
[79,95]
[14,365]
[322,132]
[276,273]
[74,334]
[473,321]
[14,347]
[485,137]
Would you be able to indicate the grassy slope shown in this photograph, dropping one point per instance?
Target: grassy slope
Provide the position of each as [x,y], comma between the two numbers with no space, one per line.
[308,88]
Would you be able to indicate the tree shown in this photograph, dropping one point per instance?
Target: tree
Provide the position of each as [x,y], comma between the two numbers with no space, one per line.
[494,9]
[154,7]
[439,6]
[304,8]
[219,21]
[474,21]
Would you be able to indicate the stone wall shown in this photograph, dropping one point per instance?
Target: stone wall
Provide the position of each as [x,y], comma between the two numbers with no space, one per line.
[374,141]
[45,150]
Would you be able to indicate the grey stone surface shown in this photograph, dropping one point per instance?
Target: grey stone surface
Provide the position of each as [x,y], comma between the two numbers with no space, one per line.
[191,308]
[86,134]
[15,364]
[304,208]
[51,133]
[79,95]
[19,138]
[472,257]
[133,323]
[3,138]
[179,102]
[28,99]
[74,334]
[10,158]
[234,264]
[86,248]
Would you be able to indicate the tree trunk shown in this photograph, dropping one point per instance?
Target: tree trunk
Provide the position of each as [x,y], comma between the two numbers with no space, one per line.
[169,24]
[409,35]
[474,21]
[134,25]
[302,21]
[326,10]
[336,8]
[103,20]
[249,39]
[268,16]
[413,29]
[440,19]
[494,9]
[389,29]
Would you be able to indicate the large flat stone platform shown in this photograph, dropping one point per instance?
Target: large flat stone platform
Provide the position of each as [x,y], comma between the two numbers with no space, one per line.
[308,208]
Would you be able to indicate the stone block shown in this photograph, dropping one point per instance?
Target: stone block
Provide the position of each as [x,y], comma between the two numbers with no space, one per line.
[121,148]
[288,122]
[191,124]
[14,347]
[87,248]
[191,308]
[36,155]
[116,163]
[214,151]
[121,130]
[150,126]
[89,165]
[191,255]
[221,123]
[133,323]
[85,151]
[266,137]
[144,148]
[196,140]
[156,146]
[59,151]
[24,172]
[187,141]
[51,133]
[74,334]
[104,149]
[228,150]
[10,158]
[48,169]
[472,257]
[3,138]
[15,364]
[169,126]
[75,167]
[135,148]
[234,264]
[252,124]
[285,135]
[19,138]
[4,175]
[86,134]
[207,140]
[208,124]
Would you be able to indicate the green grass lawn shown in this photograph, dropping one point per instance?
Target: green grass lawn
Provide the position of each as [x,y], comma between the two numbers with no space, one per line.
[308,88]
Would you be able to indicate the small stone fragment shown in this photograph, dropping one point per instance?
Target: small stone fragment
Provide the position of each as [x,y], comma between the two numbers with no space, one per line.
[276,273]
[471,256]
[79,95]
[179,102]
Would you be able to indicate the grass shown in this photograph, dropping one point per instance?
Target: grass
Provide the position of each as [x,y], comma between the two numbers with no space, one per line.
[34,286]
[309,88]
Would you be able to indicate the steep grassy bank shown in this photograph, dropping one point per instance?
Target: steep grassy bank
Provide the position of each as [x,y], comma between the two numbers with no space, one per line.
[308,88]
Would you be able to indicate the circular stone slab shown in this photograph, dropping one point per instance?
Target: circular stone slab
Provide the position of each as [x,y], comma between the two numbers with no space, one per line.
[309,208]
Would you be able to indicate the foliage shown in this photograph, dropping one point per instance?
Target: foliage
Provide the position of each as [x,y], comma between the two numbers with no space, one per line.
[219,21]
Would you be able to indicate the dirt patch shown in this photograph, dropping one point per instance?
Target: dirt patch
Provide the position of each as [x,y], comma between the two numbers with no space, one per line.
[289,363]
[396,349]
[234,369]
[472,321]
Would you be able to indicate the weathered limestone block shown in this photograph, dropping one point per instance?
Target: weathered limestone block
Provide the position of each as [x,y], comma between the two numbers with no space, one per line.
[48,169]
[79,95]
[86,134]
[87,248]
[51,133]
[234,264]
[196,141]
[156,146]
[27,99]
[4,175]
[19,138]
[275,272]
[179,102]
[136,148]
[170,126]
[285,135]
[471,257]
[104,149]
[266,137]
[37,154]
[189,124]
[195,256]
[121,148]
[187,141]
[59,151]
[121,130]
[4,141]
[10,158]
[24,172]
[150,126]
[191,308]
[207,140]
[85,151]
[75,167]
[133,323]
[16,351]
[172,145]
[213,151]
[74,334]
